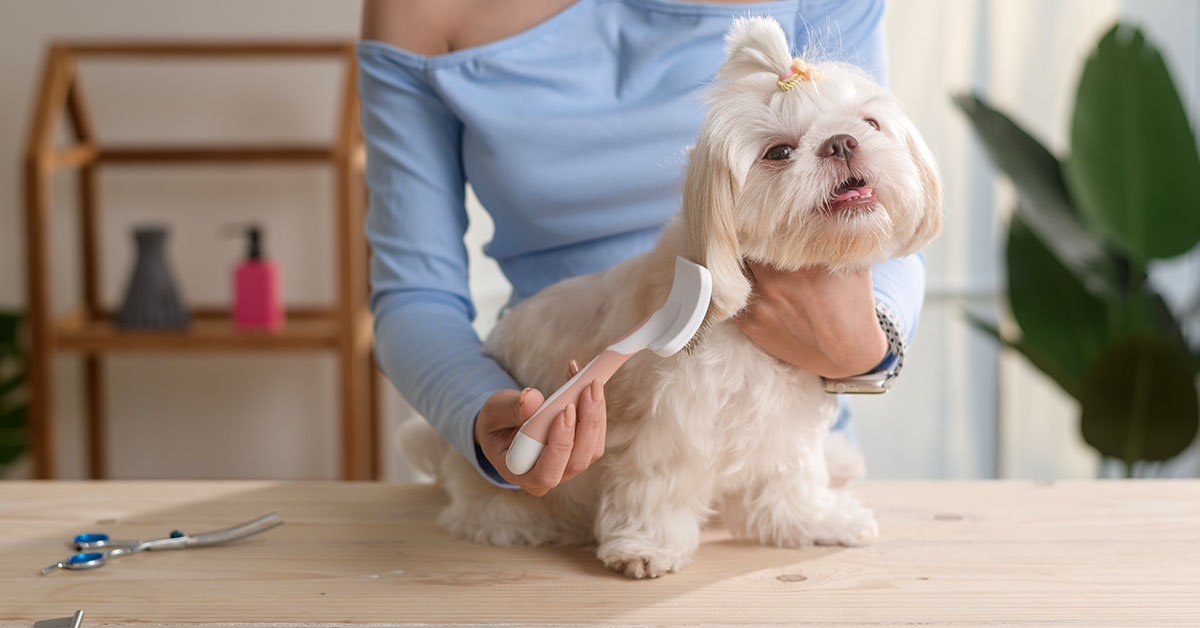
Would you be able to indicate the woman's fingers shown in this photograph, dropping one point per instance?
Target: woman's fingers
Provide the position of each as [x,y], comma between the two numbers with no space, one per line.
[530,400]
[596,391]
[587,428]
[576,438]
[548,471]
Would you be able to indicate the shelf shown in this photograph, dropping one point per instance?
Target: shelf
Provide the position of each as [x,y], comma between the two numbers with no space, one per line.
[218,154]
[80,155]
[60,102]
[211,330]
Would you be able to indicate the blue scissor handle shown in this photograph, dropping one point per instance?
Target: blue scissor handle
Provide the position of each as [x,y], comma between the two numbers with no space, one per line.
[80,559]
[95,540]
[83,560]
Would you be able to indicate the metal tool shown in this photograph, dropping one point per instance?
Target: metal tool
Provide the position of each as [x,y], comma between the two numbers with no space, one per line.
[176,540]
[61,622]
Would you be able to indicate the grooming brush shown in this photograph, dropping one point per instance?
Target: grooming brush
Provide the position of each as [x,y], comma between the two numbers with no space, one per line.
[665,332]
[61,622]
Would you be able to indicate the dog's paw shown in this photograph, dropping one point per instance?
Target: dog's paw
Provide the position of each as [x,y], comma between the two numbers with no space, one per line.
[639,560]
[851,525]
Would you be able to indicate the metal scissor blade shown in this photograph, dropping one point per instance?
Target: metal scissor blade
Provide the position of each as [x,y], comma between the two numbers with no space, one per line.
[58,565]
[240,531]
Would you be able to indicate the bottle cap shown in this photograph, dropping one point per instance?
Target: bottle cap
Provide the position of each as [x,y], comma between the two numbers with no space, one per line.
[253,234]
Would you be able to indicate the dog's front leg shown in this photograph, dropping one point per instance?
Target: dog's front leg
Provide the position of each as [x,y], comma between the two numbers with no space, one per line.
[649,524]
[791,504]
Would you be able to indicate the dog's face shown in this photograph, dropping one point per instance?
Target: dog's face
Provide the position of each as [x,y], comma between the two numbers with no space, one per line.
[828,173]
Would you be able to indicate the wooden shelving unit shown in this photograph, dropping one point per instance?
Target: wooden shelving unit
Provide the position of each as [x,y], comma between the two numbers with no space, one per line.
[344,328]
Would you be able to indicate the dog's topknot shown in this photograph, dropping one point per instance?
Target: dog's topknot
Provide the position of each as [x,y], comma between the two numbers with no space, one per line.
[754,45]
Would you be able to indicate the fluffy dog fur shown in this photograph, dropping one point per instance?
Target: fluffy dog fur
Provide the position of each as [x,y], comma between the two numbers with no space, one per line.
[723,428]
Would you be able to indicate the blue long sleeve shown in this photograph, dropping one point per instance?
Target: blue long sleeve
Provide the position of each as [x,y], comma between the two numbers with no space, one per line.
[415,224]
[900,284]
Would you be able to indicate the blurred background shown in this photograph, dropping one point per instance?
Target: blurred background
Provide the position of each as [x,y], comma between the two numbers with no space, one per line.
[964,408]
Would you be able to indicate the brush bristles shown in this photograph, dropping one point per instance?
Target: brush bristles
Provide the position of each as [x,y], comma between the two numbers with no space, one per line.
[705,326]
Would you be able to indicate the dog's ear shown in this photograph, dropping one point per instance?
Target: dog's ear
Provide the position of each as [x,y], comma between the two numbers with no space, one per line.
[754,45]
[712,238]
[929,220]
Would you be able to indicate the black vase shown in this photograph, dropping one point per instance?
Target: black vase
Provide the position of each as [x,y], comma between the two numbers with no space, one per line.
[151,300]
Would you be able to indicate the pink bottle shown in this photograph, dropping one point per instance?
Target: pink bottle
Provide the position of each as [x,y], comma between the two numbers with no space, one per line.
[256,303]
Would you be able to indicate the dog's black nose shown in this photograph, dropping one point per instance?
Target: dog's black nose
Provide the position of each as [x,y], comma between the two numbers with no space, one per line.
[840,146]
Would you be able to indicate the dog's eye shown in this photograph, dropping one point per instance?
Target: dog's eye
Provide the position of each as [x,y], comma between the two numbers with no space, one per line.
[778,153]
[873,122]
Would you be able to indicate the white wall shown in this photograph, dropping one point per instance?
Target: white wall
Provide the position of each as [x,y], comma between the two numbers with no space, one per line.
[960,409]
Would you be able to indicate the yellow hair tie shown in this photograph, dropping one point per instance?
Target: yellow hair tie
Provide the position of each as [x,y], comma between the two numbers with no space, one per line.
[800,71]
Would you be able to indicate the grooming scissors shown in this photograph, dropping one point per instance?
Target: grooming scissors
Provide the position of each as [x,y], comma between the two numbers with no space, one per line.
[176,540]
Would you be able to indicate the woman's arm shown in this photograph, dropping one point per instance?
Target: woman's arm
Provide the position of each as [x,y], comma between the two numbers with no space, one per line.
[424,341]
[415,223]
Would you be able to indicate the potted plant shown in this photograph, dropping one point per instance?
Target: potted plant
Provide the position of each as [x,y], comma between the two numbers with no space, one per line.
[14,437]
[1085,231]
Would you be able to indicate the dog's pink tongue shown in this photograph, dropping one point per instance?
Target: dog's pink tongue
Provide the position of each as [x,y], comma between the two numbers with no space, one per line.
[854,193]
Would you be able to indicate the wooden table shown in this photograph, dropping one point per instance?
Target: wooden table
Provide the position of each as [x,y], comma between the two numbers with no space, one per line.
[962,553]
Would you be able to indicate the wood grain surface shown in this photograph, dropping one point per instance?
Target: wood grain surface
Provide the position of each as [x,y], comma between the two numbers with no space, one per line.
[1114,553]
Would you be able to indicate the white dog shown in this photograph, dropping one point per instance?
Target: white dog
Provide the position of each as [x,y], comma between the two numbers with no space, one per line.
[723,428]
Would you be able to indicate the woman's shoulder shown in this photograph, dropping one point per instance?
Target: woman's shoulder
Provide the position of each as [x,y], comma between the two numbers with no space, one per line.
[435,27]
[418,26]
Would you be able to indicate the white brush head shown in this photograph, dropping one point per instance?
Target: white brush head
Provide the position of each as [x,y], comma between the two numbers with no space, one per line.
[671,327]
[681,316]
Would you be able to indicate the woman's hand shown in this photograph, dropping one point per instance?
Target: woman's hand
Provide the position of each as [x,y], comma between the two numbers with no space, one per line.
[576,437]
[816,320]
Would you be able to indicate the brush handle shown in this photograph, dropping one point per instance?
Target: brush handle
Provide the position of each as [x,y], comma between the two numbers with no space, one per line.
[535,432]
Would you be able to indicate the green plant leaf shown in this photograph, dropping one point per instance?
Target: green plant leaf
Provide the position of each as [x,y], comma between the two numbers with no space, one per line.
[1139,401]
[1145,311]
[14,436]
[10,324]
[1065,382]
[13,418]
[14,382]
[1045,204]
[1134,166]
[1061,321]
[12,443]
